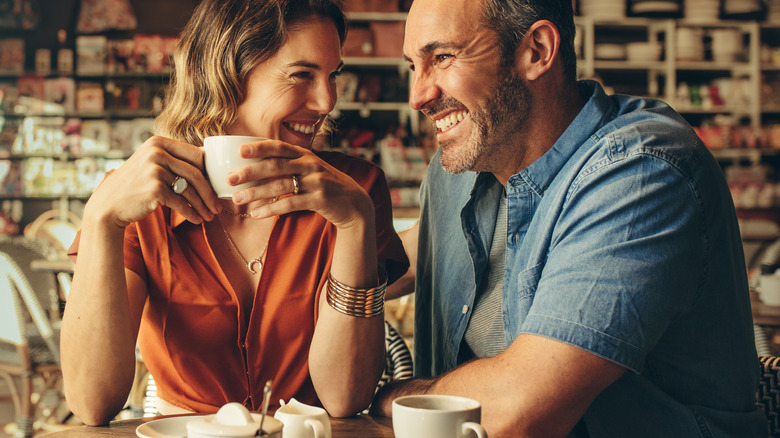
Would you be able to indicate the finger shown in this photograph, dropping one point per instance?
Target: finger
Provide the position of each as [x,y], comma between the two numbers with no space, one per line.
[196,202]
[268,189]
[199,191]
[180,203]
[283,205]
[186,152]
[271,149]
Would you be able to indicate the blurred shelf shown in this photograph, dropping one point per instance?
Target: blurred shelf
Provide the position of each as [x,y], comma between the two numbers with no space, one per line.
[377,16]
[374,61]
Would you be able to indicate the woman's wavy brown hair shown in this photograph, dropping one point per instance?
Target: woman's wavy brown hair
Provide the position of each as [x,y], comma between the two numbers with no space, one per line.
[220,46]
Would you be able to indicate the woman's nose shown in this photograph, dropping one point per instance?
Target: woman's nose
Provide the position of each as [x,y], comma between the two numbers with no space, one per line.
[323,97]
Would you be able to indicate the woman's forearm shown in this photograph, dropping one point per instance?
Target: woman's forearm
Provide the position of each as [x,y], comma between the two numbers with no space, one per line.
[347,352]
[98,330]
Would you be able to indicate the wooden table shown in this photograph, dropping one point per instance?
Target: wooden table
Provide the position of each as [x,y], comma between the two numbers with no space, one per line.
[362,426]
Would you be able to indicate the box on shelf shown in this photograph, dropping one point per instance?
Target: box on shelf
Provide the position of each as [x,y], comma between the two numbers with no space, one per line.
[346,86]
[12,55]
[36,176]
[91,54]
[388,38]
[61,92]
[126,95]
[149,53]
[120,57]
[40,136]
[9,129]
[360,42]
[373,5]
[95,137]
[10,178]
[128,135]
[89,97]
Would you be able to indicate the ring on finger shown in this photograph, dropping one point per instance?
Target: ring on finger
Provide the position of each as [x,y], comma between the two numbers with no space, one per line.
[296,185]
[179,185]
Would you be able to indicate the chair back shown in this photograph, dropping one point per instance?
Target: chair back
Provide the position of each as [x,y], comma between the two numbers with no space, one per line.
[12,315]
[768,395]
[58,227]
[15,290]
[23,250]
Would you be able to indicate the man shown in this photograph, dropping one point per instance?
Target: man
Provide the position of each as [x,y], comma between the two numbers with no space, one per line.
[580,269]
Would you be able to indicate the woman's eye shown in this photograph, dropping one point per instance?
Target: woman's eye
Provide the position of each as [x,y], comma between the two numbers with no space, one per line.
[302,75]
[335,74]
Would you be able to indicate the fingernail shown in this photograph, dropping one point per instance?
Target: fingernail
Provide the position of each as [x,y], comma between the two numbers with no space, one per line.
[232,179]
[238,198]
[245,150]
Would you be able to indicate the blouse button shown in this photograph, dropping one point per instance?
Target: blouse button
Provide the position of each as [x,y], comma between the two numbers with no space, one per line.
[465,309]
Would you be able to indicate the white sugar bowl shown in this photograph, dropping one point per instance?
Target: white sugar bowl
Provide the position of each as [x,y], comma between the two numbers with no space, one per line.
[233,420]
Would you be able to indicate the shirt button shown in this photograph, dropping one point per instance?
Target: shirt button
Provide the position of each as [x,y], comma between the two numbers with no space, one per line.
[465,309]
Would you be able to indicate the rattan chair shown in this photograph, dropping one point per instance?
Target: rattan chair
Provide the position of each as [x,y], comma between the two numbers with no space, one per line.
[768,396]
[23,251]
[29,352]
[57,227]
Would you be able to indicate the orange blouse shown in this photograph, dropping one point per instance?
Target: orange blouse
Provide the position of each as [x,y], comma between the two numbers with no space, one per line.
[193,335]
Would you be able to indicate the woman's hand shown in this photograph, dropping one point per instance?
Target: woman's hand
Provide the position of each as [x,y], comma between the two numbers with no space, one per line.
[321,188]
[143,183]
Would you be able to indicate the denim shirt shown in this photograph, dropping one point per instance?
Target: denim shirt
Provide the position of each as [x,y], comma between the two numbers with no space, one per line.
[622,240]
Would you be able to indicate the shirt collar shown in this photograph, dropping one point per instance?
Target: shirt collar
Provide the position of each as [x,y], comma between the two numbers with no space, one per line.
[597,110]
[177,219]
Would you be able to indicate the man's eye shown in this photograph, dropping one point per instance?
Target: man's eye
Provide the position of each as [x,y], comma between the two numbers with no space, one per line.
[442,58]
[411,67]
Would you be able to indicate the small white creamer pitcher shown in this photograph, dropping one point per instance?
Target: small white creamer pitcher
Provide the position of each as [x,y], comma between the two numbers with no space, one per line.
[303,421]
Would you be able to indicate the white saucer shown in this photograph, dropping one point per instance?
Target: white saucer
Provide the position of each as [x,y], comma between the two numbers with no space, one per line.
[176,427]
[171,427]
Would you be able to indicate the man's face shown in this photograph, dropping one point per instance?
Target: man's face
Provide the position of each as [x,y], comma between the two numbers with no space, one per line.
[476,103]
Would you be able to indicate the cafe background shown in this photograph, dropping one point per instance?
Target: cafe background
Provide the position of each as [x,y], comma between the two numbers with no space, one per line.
[81,81]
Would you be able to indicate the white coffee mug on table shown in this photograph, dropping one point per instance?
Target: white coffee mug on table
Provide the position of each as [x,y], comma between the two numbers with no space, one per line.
[303,421]
[437,416]
[222,156]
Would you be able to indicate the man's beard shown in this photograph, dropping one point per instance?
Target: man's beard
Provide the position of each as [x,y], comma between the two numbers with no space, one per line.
[493,125]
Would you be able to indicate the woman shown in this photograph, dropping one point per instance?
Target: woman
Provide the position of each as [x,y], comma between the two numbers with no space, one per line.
[163,262]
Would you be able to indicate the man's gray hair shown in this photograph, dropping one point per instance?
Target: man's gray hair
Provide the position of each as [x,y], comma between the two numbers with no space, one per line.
[511,19]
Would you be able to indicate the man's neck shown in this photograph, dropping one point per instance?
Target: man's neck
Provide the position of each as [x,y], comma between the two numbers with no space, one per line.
[550,115]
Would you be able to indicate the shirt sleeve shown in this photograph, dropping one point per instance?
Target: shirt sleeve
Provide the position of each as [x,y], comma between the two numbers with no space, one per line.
[389,246]
[626,257]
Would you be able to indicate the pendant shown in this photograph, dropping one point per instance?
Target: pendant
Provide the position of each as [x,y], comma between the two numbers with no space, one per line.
[255,261]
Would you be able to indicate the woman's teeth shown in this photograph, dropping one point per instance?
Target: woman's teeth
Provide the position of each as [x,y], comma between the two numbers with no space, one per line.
[304,129]
[449,121]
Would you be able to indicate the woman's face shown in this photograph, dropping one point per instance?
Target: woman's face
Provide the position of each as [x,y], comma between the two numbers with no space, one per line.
[289,95]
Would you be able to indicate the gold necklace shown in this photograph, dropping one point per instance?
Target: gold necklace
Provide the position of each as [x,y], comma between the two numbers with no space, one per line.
[251,263]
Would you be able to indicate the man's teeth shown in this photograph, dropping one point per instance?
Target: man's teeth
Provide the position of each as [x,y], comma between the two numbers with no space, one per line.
[449,121]
[304,129]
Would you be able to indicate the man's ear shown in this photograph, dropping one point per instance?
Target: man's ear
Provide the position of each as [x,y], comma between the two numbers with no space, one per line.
[538,50]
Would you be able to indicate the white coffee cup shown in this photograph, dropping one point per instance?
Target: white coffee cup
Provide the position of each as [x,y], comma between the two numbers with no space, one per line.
[222,157]
[303,421]
[436,416]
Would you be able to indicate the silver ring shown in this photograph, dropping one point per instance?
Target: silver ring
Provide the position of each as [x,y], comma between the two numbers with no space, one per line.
[179,185]
[296,185]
